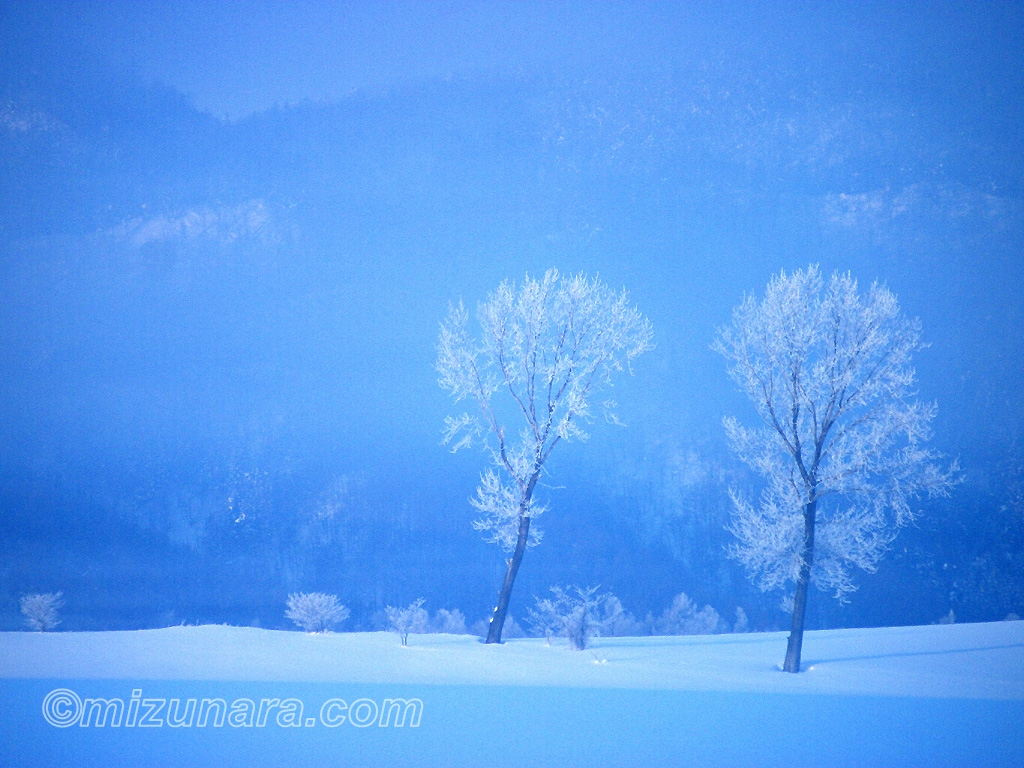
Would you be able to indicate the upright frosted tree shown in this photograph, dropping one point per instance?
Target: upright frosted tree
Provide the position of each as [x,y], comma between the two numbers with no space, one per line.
[546,347]
[840,442]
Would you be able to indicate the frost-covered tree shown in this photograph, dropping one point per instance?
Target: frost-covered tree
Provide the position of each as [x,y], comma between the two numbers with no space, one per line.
[683,617]
[449,622]
[315,611]
[412,618]
[840,443]
[577,613]
[548,346]
[40,610]
[741,624]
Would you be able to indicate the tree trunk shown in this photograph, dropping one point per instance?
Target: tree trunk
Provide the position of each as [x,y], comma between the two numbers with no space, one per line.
[498,620]
[796,635]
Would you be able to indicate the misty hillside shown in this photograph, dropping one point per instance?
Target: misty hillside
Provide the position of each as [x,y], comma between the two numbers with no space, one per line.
[220,335]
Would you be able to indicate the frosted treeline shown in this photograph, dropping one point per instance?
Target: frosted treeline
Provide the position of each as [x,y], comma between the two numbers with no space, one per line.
[581,613]
[575,613]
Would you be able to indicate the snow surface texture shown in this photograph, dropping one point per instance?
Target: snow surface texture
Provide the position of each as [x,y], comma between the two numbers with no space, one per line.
[976,661]
[944,696]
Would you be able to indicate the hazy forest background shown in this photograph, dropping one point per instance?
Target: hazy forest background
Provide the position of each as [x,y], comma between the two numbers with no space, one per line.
[219,334]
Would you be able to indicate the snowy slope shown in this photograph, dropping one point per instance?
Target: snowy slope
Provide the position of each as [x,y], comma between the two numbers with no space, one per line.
[946,695]
[951,660]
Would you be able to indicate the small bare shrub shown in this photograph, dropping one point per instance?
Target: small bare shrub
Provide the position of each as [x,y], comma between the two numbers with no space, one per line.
[40,610]
[315,611]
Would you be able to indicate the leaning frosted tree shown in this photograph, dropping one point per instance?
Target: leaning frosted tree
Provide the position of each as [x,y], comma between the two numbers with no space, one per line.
[840,445]
[545,348]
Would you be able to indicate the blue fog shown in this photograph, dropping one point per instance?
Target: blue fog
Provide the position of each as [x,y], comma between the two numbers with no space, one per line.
[226,245]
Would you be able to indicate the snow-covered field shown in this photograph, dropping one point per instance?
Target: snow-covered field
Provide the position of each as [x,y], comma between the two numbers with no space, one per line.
[934,695]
